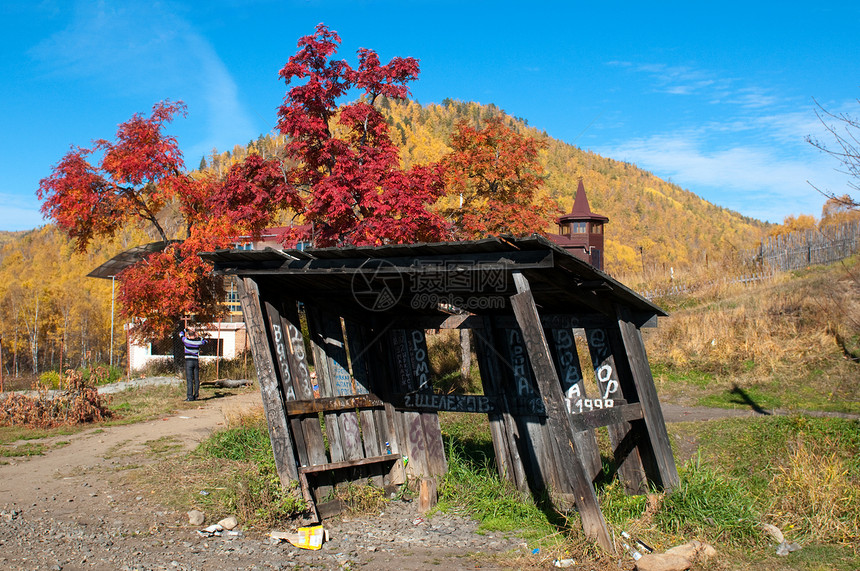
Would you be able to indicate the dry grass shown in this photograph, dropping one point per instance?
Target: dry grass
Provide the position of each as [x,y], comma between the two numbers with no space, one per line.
[362,499]
[237,415]
[816,500]
[794,336]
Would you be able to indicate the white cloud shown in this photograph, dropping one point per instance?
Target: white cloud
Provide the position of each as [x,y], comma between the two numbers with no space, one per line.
[137,48]
[748,153]
[756,180]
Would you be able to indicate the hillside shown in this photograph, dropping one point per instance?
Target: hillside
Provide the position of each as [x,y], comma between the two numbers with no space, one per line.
[652,223]
[672,226]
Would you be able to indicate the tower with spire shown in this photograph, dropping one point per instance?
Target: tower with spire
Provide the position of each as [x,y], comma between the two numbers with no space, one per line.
[581,231]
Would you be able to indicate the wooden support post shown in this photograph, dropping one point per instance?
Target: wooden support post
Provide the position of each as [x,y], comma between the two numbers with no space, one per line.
[612,381]
[573,388]
[279,433]
[527,316]
[653,414]
[502,425]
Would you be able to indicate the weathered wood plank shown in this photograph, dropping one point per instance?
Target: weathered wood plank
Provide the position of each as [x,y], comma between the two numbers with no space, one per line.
[411,427]
[371,428]
[609,372]
[350,463]
[605,417]
[418,354]
[325,381]
[527,316]
[297,356]
[502,425]
[278,329]
[343,385]
[481,404]
[333,404]
[380,380]
[653,414]
[356,346]
[279,433]
[573,388]
[536,444]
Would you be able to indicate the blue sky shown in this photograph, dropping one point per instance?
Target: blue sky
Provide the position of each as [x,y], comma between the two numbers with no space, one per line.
[716,97]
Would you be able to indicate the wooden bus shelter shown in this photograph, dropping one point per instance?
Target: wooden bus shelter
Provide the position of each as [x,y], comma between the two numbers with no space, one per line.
[368,409]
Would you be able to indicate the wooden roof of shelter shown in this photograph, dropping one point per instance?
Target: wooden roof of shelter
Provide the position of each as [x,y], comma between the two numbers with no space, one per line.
[121,261]
[348,278]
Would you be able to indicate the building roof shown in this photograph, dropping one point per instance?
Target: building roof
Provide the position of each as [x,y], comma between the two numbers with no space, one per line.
[121,261]
[581,210]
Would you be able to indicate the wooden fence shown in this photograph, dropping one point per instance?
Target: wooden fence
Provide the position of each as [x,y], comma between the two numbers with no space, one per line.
[801,249]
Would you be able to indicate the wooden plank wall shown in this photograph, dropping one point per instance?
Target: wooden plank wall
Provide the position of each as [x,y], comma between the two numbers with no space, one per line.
[551,446]
[503,426]
[422,435]
[267,377]
[604,347]
[535,443]
[573,387]
[560,428]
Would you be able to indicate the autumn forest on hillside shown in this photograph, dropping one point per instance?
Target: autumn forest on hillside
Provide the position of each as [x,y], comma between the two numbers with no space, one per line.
[455,170]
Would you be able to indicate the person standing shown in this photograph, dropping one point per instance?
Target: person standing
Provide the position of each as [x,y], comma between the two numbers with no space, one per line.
[192,343]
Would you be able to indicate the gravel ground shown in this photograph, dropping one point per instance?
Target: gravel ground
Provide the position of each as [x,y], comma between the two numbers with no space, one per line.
[74,508]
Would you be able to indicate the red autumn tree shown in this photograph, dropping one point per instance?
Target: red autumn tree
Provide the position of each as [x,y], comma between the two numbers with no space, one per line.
[93,192]
[348,183]
[497,174]
[352,187]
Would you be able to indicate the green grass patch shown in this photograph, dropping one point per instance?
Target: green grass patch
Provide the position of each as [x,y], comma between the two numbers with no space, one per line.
[753,397]
[473,486]
[709,503]
[669,374]
[253,490]
[28,449]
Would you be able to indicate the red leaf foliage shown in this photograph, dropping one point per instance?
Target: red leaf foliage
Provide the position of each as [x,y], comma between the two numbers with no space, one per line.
[347,184]
[354,189]
[133,179]
[497,172]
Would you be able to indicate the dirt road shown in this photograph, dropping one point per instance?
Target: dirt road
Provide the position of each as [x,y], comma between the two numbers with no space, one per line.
[70,509]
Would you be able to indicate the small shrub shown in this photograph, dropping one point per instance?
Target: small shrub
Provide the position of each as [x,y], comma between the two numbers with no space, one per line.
[362,498]
[77,403]
[51,379]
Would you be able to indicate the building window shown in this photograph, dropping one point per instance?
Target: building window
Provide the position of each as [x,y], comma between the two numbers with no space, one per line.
[565,229]
[579,227]
[596,228]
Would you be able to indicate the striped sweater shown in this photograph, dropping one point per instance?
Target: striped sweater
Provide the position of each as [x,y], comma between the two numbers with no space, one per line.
[192,346]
